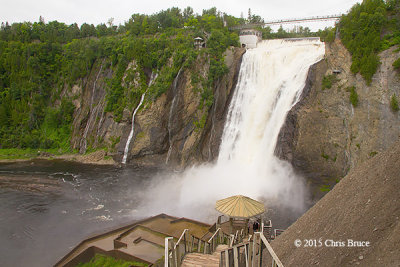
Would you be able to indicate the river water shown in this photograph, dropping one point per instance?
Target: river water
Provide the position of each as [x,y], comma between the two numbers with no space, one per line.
[47,207]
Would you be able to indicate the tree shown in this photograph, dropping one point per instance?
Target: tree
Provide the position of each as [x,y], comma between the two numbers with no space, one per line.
[88,30]
[187,13]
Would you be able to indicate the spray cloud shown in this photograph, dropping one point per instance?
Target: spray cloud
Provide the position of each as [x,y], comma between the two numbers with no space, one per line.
[270,83]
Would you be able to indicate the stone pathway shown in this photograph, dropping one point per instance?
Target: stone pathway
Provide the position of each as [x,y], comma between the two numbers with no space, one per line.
[203,260]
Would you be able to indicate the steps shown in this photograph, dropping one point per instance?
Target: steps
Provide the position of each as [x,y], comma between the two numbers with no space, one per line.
[203,260]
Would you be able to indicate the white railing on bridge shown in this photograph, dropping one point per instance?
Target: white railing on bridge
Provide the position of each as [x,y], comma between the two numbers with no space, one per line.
[294,20]
[287,21]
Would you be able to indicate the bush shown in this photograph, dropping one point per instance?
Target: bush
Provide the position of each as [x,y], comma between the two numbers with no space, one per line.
[394,104]
[353,96]
[360,31]
[396,64]
[328,81]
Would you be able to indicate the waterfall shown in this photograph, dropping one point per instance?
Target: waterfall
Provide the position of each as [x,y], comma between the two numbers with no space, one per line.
[92,113]
[270,83]
[153,76]
[171,113]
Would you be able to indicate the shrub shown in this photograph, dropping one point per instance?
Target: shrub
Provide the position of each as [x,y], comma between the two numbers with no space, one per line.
[353,96]
[394,104]
[396,64]
[328,81]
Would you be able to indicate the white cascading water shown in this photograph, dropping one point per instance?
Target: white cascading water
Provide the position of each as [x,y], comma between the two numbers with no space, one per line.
[128,141]
[92,113]
[270,83]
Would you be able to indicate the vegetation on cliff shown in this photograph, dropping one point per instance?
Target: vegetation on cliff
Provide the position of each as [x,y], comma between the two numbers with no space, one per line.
[41,61]
[367,29]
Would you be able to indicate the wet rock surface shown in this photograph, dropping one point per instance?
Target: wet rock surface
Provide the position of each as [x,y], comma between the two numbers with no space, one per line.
[325,135]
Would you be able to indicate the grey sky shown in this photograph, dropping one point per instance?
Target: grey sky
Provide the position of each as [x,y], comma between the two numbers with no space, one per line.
[92,11]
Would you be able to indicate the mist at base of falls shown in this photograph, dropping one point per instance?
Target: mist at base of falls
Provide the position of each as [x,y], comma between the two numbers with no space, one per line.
[271,79]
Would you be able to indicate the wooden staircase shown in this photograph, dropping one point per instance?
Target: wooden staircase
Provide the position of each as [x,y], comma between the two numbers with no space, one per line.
[204,260]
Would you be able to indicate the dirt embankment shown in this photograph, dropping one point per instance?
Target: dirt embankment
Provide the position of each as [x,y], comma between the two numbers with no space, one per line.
[364,206]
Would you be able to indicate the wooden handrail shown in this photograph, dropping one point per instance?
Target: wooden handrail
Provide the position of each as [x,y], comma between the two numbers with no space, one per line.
[166,250]
[180,238]
[252,257]
[214,235]
[270,250]
[174,255]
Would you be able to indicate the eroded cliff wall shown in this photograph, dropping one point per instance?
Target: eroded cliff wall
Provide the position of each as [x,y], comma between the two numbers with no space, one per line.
[167,130]
[325,135]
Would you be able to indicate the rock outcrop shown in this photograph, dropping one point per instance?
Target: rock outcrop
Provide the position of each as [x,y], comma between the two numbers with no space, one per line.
[325,135]
[165,130]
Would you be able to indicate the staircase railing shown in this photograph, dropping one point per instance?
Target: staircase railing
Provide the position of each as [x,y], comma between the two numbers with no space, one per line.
[249,253]
[187,243]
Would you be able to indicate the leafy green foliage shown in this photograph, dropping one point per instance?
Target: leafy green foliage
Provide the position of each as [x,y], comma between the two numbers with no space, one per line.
[394,104]
[39,61]
[353,96]
[361,31]
[396,64]
[296,32]
[328,34]
[328,81]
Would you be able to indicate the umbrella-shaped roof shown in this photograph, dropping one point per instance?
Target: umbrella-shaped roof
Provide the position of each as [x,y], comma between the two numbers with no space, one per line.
[240,207]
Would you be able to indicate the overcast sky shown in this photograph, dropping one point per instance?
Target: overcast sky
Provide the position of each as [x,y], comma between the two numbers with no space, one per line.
[99,11]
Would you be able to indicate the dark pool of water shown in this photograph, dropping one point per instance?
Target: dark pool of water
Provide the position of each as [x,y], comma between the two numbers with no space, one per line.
[47,207]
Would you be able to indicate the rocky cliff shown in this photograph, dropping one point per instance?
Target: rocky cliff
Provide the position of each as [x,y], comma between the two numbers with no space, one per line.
[167,130]
[364,206]
[325,135]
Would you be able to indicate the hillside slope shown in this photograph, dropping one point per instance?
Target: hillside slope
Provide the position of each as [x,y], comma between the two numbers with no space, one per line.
[364,206]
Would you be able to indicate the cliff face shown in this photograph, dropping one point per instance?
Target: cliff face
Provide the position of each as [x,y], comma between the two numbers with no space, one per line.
[325,135]
[166,130]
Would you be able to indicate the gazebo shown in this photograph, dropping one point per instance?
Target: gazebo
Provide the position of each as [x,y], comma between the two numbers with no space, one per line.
[239,207]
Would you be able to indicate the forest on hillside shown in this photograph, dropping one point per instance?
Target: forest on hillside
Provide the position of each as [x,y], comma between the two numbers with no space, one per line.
[38,61]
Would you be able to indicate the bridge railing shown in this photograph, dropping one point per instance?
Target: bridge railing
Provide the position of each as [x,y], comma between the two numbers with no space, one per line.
[187,243]
[284,21]
[250,253]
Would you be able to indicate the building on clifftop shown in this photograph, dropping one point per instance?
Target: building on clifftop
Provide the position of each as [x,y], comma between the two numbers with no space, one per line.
[249,38]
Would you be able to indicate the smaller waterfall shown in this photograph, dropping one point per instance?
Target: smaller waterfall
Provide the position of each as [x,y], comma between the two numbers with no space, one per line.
[128,142]
[92,112]
[171,113]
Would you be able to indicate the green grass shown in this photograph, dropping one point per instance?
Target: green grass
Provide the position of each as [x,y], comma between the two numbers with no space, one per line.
[17,153]
[106,261]
[325,188]
[325,156]
[373,153]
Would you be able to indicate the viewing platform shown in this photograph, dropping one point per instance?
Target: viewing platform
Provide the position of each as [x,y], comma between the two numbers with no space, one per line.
[237,238]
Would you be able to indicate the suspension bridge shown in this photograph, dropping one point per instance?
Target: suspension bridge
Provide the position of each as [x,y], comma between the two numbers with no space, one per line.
[287,21]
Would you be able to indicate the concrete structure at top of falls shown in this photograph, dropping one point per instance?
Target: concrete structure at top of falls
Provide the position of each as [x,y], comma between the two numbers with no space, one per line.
[270,82]
[249,38]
